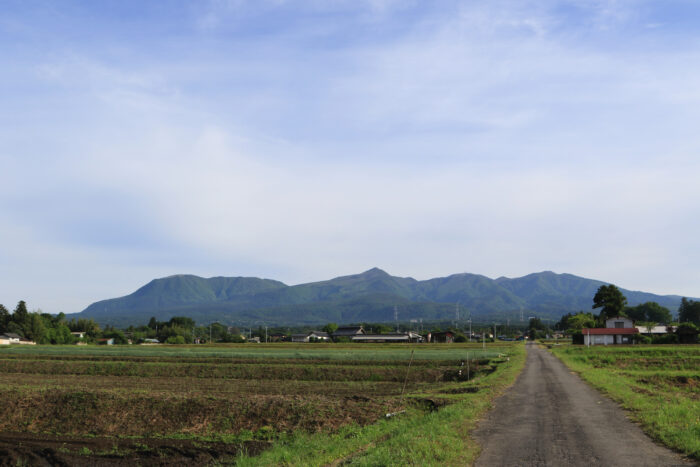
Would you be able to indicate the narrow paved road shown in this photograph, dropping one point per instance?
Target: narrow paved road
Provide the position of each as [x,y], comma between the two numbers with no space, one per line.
[550,417]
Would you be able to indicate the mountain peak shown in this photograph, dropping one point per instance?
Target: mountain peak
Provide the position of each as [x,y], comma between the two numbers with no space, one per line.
[375,271]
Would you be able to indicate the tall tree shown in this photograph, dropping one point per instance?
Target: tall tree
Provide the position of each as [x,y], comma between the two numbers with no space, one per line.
[4,318]
[611,300]
[689,311]
[21,315]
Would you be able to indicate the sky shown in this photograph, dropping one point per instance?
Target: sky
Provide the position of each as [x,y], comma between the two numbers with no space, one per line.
[304,140]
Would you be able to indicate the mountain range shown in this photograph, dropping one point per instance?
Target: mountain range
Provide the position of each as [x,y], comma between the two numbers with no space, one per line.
[372,296]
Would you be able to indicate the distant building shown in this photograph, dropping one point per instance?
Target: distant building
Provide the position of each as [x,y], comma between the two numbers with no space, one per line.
[656,330]
[617,330]
[445,337]
[9,338]
[405,337]
[311,336]
[348,332]
[78,334]
[278,337]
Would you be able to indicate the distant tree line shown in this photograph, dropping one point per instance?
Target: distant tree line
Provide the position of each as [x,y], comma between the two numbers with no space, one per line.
[44,328]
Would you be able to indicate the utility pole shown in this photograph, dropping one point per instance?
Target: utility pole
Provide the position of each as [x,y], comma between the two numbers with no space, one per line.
[470,327]
[210,333]
[396,317]
[265,334]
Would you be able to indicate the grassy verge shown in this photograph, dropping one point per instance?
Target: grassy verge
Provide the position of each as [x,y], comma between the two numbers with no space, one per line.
[416,437]
[648,382]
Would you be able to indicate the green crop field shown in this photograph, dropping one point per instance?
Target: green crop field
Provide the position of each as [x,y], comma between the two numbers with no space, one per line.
[659,385]
[284,404]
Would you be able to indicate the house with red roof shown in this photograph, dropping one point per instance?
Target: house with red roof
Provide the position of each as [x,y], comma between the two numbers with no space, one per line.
[617,330]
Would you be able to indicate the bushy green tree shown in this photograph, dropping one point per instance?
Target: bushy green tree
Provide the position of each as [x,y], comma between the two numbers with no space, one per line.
[650,312]
[330,328]
[36,329]
[116,334]
[689,311]
[21,316]
[5,318]
[175,340]
[611,300]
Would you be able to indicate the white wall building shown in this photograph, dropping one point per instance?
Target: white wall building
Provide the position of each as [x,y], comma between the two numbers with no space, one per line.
[617,330]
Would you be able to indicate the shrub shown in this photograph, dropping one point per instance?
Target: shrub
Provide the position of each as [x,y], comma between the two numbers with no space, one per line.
[640,339]
[665,339]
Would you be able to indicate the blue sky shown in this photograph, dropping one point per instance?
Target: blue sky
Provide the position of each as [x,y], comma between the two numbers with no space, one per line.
[301,140]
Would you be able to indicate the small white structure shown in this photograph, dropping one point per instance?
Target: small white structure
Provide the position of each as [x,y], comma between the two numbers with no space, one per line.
[617,330]
[9,338]
[78,334]
[311,336]
[657,330]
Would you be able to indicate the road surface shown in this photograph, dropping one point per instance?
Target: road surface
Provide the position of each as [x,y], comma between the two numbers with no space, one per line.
[550,417]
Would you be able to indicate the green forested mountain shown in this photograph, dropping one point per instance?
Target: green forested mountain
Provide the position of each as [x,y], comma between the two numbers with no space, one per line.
[370,296]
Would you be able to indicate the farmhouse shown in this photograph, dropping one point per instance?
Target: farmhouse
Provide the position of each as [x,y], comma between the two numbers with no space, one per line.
[445,337]
[617,330]
[278,337]
[9,338]
[348,332]
[311,336]
[392,337]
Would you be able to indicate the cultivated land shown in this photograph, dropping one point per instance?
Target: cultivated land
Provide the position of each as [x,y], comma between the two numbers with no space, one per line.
[308,404]
[659,385]
[551,417]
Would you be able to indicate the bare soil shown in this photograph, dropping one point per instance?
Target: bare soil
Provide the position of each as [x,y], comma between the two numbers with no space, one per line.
[44,450]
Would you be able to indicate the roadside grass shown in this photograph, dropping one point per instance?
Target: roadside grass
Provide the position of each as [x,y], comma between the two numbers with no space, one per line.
[416,437]
[666,403]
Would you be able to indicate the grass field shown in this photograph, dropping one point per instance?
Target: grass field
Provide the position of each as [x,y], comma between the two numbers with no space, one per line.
[312,404]
[659,385]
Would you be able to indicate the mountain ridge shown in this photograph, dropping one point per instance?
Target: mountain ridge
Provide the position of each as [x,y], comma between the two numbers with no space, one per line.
[368,296]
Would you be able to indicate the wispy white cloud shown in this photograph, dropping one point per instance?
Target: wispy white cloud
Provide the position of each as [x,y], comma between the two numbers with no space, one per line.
[497,138]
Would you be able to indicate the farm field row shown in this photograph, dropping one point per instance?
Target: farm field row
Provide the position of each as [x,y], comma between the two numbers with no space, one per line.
[259,403]
[316,351]
[659,385]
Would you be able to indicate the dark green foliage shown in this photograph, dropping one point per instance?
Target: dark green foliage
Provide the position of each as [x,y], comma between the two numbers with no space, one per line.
[687,333]
[649,312]
[21,316]
[689,311]
[611,300]
[575,322]
[665,339]
[116,334]
[5,318]
[640,339]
